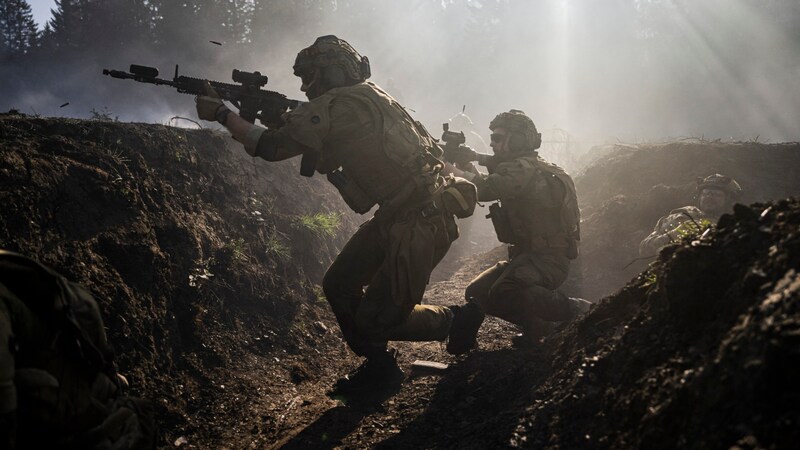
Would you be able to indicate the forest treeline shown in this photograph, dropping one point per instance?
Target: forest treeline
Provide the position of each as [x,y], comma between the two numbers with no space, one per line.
[686,61]
[107,26]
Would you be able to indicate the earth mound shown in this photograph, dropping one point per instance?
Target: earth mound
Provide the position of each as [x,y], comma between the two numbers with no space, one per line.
[701,351]
[206,262]
[625,192]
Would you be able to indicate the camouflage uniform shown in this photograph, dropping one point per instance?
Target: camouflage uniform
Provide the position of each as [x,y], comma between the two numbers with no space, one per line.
[375,154]
[522,289]
[538,214]
[667,228]
[692,220]
[58,386]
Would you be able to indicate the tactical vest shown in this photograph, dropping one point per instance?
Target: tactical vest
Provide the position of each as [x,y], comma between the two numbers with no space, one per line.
[398,159]
[521,221]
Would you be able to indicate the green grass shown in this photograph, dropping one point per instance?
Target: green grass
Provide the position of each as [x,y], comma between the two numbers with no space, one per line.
[238,249]
[691,228]
[321,224]
[275,246]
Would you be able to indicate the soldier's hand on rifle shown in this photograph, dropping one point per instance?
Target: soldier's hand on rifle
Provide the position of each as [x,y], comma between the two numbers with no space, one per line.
[460,155]
[210,106]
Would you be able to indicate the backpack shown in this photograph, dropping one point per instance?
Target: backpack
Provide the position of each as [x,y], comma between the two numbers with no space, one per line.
[406,142]
[569,213]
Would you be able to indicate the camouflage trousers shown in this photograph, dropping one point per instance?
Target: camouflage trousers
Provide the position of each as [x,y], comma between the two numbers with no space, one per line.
[522,290]
[375,285]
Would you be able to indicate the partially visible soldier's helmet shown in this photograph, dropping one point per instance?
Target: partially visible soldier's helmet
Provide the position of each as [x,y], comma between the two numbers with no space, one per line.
[338,62]
[523,132]
[722,182]
[461,122]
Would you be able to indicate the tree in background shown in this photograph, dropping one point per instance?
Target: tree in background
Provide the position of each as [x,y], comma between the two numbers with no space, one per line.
[115,25]
[105,26]
[65,29]
[18,31]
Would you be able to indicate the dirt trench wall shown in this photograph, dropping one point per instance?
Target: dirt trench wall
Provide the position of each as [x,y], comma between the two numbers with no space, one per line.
[191,247]
[702,352]
[623,194]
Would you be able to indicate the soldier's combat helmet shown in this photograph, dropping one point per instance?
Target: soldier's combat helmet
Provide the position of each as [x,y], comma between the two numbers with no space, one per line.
[461,122]
[340,64]
[722,182]
[523,132]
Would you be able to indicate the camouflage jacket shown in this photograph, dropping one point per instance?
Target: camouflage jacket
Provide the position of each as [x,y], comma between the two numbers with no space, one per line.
[539,199]
[678,223]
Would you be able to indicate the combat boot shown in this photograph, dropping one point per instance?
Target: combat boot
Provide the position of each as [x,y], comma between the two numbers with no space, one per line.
[377,372]
[467,319]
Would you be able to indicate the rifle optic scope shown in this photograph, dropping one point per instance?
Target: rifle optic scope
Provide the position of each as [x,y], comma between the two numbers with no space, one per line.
[144,71]
[249,78]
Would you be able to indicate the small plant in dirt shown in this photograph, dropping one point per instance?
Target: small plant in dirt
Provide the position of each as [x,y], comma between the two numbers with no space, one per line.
[277,247]
[321,224]
[650,277]
[319,294]
[260,209]
[237,249]
[117,154]
[102,116]
[315,292]
[691,229]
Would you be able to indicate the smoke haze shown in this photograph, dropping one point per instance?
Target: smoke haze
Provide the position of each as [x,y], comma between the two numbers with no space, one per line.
[621,70]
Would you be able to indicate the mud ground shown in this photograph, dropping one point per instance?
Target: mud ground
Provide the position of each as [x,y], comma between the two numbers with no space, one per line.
[207,264]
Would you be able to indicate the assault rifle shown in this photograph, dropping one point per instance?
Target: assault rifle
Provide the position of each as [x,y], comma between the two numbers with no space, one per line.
[252,101]
[454,149]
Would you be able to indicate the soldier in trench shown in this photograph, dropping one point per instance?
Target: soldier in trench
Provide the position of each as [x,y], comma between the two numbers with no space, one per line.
[715,194]
[58,384]
[537,213]
[374,153]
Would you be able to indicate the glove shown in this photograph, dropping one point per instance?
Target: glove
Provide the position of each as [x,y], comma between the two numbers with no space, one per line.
[460,155]
[210,106]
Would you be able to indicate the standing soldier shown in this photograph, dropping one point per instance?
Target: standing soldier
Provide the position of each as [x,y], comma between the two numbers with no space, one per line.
[537,213]
[374,153]
[716,194]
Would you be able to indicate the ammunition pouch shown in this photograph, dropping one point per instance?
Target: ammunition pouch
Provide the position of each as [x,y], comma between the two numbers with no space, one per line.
[352,194]
[459,197]
[502,224]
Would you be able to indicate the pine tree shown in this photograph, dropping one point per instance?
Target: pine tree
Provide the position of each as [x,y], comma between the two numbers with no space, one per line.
[111,25]
[18,31]
[67,25]
[172,22]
